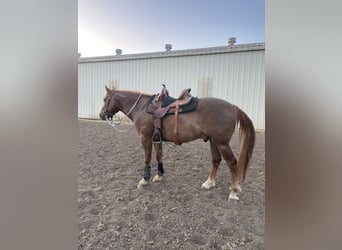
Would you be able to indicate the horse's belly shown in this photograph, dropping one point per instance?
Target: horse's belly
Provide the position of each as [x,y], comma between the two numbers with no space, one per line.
[187,129]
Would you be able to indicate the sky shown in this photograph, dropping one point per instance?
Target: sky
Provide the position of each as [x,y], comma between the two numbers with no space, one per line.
[138,26]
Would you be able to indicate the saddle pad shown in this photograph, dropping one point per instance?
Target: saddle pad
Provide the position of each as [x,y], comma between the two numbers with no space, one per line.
[168,101]
[192,105]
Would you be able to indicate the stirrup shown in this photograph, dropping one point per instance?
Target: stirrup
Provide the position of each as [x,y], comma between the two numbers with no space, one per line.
[160,141]
[157,141]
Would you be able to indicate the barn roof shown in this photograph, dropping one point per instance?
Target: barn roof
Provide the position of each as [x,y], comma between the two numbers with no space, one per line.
[177,53]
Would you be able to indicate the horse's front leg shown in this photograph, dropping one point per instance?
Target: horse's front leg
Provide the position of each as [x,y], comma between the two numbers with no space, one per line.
[159,155]
[147,145]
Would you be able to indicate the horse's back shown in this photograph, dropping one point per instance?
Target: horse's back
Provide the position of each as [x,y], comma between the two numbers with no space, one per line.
[216,107]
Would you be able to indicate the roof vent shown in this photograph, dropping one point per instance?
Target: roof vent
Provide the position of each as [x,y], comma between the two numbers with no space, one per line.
[118,52]
[168,47]
[231,41]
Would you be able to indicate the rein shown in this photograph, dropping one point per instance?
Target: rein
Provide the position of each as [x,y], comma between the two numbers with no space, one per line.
[134,105]
[111,123]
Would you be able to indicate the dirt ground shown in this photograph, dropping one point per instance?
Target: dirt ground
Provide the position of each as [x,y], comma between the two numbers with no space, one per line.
[172,214]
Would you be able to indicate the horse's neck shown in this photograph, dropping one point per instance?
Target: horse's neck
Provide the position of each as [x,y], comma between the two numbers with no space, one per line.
[129,102]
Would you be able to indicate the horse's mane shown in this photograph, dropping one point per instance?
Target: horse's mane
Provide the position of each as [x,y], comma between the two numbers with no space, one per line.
[133,92]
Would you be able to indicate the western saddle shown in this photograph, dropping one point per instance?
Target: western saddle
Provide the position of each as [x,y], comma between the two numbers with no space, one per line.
[164,105]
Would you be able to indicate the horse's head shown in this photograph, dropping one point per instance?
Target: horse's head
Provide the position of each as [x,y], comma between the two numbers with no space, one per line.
[110,105]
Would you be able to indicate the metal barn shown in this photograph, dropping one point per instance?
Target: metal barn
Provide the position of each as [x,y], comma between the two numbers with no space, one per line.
[234,73]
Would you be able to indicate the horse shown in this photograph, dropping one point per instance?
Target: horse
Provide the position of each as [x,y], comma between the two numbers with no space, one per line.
[213,120]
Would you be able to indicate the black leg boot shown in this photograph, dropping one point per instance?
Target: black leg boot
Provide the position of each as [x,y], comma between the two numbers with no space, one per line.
[147,173]
[160,169]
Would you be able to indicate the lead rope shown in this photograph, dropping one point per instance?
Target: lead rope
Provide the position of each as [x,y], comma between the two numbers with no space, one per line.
[111,123]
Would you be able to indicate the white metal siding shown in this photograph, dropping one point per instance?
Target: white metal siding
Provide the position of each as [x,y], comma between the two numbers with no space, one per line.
[237,77]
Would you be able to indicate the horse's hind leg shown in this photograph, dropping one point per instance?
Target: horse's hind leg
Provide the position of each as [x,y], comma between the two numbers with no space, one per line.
[229,157]
[216,160]
[147,145]
[159,155]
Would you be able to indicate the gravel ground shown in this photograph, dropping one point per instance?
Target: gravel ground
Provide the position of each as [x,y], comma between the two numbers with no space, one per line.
[172,214]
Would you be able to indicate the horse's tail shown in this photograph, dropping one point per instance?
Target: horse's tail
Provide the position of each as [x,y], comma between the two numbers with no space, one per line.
[247,137]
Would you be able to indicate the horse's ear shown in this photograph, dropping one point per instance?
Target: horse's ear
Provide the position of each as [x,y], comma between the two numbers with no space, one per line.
[107,89]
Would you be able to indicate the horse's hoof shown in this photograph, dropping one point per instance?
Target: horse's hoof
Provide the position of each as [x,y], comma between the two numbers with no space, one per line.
[143,182]
[157,178]
[208,184]
[233,196]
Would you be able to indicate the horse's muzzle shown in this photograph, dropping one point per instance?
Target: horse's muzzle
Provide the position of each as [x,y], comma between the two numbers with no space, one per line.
[102,116]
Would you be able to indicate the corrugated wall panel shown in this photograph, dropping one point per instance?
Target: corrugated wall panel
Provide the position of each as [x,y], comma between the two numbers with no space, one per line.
[236,77]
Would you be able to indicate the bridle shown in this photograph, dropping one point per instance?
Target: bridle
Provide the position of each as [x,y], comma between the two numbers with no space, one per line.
[107,104]
[110,122]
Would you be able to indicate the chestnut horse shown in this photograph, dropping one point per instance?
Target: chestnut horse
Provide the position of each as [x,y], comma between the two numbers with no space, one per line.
[214,120]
